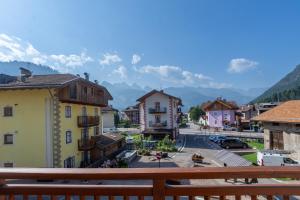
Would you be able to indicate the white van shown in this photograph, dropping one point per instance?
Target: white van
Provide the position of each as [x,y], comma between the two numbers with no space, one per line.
[271,159]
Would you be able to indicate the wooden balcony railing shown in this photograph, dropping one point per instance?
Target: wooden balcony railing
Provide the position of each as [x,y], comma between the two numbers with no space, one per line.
[156,186]
[86,144]
[87,121]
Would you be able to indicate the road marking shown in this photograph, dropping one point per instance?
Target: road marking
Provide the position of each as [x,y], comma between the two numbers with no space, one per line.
[181,148]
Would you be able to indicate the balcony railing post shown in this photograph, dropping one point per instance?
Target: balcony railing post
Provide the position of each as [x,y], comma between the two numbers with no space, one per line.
[159,189]
[2,184]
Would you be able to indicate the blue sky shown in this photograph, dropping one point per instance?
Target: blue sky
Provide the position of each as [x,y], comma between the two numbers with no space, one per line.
[213,43]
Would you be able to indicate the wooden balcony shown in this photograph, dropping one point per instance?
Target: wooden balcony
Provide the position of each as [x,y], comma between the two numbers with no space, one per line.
[158,124]
[157,110]
[86,144]
[155,179]
[88,121]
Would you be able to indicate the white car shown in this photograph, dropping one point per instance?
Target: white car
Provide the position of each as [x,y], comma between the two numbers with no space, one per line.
[269,159]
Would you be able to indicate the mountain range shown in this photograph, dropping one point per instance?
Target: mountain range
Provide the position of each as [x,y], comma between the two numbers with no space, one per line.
[287,88]
[125,95]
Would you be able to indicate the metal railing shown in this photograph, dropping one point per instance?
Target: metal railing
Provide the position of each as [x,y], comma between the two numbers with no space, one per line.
[157,110]
[158,186]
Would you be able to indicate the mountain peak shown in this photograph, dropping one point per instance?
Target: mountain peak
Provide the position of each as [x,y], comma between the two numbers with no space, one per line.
[288,88]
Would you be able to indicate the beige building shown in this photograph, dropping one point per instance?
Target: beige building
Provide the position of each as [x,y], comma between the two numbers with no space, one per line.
[282,128]
[108,118]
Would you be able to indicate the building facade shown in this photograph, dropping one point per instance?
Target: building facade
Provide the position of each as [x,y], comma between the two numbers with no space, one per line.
[247,112]
[108,117]
[133,114]
[282,128]
[159,114]
[220,113]
[44,119]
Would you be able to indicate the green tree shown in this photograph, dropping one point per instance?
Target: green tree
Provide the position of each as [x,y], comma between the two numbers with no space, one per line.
[196,112]
[116,119]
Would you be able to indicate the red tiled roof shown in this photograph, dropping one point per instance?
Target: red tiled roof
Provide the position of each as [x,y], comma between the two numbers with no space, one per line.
[288,112]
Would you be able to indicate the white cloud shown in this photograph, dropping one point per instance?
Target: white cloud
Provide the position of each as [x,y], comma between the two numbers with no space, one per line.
[135,59]
[108,59]
[163,70]
[72,60]
[176,75]
[121,71]
[13,48]
[239,65]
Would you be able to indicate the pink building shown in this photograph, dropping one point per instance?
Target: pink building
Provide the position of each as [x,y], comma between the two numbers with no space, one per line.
[220,113]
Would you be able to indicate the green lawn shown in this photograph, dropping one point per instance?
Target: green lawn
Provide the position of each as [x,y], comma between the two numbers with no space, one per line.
[256,145]
[252,157]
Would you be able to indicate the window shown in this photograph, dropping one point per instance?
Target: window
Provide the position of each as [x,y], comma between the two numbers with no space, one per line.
[69,162]
[92,91]
[96,112]
[157,106]
[68,137]
[8,164]
[84,111]
[96,130]
[216,121]
[8,111]
[275,124]
[8,139]
[68,112]
[225,116]
[73,91]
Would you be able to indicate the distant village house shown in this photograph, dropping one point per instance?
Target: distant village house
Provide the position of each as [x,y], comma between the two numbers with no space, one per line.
[220,113]
[282,128]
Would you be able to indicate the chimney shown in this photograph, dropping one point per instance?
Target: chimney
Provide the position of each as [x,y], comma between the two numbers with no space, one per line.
[86,76]
[96,81]
[24,74]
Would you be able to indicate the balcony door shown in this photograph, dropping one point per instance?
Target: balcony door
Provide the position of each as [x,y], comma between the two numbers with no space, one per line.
[85,134]
[157,119]
[157,106]
[276,140]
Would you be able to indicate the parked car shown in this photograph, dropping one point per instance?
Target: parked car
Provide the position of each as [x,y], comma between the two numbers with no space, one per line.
[269,159]
[218,139]
[212,137]
[230,143]
[229,128]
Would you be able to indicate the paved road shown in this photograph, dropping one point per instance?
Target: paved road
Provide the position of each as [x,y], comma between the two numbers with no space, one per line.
[195,129]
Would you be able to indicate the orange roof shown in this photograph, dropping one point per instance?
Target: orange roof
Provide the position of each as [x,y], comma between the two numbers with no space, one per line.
[288,112]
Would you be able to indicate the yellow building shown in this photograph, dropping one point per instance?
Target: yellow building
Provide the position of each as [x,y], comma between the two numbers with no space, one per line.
[47,120]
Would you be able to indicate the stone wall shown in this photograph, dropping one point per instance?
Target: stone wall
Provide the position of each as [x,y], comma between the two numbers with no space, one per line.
[291,137]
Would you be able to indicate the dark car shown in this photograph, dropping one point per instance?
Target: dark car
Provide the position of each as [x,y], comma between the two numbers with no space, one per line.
[219,139]
[233,143]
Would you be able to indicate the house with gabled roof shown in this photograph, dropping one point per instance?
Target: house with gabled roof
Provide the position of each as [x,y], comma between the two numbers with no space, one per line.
[50,118]
[220,113]
[282,128]
[159,114]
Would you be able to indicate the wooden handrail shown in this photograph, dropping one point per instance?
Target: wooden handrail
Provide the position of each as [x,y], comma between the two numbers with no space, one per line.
[150,173]
[158,187]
